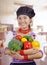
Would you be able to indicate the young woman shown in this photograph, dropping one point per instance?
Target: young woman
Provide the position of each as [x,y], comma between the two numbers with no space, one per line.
[24,17]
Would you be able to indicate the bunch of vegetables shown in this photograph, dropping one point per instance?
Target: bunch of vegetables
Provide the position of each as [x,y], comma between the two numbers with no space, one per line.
[25,42]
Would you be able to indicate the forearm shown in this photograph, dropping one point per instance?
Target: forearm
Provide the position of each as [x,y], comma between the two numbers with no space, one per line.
[35,56]
[28,51]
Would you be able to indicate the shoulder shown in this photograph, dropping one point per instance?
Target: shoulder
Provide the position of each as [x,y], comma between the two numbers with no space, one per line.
[15,31]
[32,33]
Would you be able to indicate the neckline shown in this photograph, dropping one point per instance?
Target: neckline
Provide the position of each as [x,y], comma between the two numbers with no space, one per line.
[24,31]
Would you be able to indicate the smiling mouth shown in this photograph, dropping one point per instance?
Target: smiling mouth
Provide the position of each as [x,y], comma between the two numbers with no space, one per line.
[23,24]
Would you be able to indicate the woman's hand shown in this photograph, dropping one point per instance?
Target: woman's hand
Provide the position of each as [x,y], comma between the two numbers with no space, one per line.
[16,55]
[33,51]
[7,51]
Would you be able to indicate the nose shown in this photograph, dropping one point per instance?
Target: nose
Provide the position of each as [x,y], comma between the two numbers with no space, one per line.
[22,20]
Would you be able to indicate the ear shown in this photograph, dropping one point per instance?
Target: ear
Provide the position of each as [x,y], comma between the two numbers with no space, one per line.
[31,22]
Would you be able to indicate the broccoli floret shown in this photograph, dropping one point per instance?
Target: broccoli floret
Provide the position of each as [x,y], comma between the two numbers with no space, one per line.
[15,45]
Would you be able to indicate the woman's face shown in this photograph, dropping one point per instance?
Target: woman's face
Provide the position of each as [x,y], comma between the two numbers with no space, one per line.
[24,21]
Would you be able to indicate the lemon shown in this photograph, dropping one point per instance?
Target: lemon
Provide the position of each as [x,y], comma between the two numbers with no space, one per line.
[23,40]
[36,44]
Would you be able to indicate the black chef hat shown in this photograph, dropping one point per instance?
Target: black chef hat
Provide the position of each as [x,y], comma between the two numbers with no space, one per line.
[25,11]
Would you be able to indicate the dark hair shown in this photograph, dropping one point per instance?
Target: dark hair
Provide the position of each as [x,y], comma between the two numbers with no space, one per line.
[25,11]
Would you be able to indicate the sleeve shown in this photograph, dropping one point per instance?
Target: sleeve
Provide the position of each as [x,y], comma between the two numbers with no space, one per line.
[8,37]
[33,35]
[41,51]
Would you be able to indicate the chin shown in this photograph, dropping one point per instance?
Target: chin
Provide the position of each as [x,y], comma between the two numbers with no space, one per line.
[23,27]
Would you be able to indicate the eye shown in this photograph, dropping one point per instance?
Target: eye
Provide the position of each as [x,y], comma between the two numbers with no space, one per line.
[19,18]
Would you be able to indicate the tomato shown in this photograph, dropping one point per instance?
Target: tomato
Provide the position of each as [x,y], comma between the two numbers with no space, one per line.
[27,45]
[19,37]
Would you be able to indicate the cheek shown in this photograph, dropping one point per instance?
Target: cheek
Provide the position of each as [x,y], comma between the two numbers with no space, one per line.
[27,23]
[19,23]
